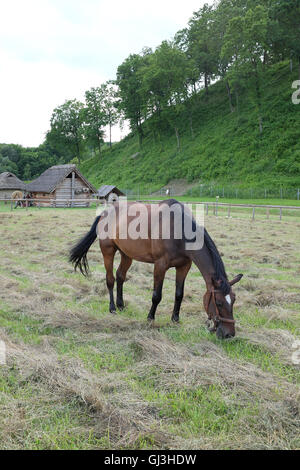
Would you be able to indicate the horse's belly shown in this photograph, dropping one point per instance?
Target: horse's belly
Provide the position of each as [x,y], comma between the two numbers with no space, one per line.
[139,250]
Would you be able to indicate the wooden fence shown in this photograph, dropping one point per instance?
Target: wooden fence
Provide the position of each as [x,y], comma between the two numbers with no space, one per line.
[215,206]
[209,207]
[55,203]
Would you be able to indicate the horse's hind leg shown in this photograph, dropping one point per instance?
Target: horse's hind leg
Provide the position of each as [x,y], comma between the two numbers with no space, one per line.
[181,274]
[159,276]
[121,278]
[108,256]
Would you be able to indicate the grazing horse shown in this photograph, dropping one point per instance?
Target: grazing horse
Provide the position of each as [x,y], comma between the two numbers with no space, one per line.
[164,253]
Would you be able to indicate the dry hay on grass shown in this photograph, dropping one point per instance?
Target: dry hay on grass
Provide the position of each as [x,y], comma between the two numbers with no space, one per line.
[127,416]
[59,300]
[278,342]
[209,366]
[122,414]
[85,323]
[278,401]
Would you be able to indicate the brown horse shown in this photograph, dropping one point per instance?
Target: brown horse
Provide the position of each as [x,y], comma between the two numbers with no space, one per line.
[164,253]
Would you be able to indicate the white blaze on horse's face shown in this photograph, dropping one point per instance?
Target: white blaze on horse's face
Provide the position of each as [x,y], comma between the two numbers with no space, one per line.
[228,298]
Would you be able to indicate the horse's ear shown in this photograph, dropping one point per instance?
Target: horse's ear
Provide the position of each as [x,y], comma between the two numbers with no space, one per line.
[236,279]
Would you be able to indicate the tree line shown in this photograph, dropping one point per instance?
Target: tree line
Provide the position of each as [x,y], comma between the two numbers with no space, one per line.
[27,163]
[231,40]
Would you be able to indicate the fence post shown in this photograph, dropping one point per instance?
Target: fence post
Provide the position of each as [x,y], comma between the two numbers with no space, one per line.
[253,214]
[206,209]
[280,213]
[229,210]
[268,214]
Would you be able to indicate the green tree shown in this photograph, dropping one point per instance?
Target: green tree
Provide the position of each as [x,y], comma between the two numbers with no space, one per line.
[220,20]
[245,42]
[132,102]
[95,117]
[7,165]
[164,83]
[287,14]
[67,127]
[27,172]
[110,106]
[12,153]
[201,44]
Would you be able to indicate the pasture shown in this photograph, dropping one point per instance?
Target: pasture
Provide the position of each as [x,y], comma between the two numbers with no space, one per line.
[78,377]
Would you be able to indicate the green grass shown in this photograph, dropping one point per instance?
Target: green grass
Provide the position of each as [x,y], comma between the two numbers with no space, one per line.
[197,411]
[78,377]
[23,327]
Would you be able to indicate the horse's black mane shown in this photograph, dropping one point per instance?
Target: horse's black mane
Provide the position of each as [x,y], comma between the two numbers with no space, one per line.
[220,273]
[217,263]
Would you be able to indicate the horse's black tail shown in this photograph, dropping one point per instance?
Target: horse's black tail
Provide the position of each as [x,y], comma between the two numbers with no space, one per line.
[78,254]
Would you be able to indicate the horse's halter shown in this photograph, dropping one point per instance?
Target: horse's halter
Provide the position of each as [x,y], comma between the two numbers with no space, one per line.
[216,318]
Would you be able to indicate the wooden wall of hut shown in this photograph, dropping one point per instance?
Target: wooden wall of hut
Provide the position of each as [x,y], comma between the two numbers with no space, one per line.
[71,190]
[42,199]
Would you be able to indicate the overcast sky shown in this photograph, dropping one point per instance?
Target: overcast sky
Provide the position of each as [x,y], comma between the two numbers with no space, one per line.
[54,50]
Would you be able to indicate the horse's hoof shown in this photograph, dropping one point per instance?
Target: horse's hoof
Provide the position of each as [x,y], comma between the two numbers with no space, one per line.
[113,312]
[175,320]
[121,307]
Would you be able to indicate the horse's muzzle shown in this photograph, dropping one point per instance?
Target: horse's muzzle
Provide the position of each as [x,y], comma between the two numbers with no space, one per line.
[223,334]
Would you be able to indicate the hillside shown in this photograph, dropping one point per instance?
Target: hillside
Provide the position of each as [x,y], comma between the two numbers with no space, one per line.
[227,146]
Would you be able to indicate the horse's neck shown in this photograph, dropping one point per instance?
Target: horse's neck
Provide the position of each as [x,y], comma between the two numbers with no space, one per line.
[203,261]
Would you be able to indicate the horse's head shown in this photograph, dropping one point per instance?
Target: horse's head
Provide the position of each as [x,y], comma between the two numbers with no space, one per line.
[218,303]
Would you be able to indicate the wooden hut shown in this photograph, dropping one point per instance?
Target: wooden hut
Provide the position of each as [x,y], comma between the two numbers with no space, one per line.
[109,193]
[61,186]
[9,184]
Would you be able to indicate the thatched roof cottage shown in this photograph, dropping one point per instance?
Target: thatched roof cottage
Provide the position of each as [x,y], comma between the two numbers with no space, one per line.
[9,183]
[61,186]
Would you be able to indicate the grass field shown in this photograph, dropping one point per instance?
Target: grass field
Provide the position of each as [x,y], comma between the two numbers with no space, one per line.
[78,377]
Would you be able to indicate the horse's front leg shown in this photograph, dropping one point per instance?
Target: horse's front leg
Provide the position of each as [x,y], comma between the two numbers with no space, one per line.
[181,274]
[159,276]
[121,277]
